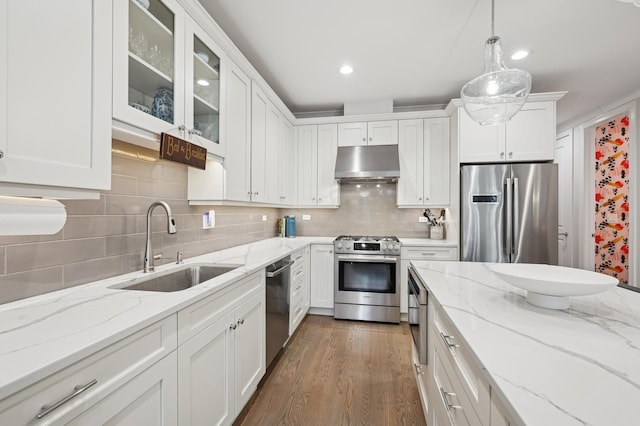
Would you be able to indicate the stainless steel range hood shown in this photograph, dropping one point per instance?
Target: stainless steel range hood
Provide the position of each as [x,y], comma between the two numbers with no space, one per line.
[370,163]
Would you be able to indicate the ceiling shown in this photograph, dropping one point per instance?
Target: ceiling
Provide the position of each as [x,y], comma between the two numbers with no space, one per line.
[421,52]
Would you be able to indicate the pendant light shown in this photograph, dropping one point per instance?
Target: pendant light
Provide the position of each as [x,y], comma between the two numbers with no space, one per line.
[499,93]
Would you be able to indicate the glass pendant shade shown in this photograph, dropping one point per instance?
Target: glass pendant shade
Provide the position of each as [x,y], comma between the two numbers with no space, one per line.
[499,93]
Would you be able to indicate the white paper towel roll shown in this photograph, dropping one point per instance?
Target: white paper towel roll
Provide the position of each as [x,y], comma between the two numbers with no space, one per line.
[31,216]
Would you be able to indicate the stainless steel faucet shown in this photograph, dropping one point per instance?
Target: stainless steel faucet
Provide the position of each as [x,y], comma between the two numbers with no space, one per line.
[171,229]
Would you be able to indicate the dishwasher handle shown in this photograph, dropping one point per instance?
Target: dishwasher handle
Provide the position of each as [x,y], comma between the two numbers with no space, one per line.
[272,274]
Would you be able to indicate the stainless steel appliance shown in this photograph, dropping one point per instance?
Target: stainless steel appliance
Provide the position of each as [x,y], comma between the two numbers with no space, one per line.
[278,283]
[367,278]
[418,314]
[367,163]
[509,213]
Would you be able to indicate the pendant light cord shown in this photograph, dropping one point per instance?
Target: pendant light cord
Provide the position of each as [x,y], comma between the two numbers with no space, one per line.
[492,18]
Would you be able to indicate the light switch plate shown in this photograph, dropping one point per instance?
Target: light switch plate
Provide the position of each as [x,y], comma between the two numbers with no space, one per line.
[422,219]
[264,217]
[306,217]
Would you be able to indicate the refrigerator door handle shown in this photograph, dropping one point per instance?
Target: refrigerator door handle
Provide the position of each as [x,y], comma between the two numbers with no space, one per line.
[508,217]
[515,234]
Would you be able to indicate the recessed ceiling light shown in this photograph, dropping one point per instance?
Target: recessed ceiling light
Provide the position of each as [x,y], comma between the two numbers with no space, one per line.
[202,82]
[521,54]
[346,69]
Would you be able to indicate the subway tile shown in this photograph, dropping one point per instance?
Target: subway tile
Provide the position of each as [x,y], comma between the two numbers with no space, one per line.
[27,257]
[162,190]
[97,269]
[31,283]
[97,226]
[24,239]
[127,244]
[88,207]
[2,260]
[124,185]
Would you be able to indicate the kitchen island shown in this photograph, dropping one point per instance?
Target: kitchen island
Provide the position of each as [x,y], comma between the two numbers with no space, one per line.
[543,367]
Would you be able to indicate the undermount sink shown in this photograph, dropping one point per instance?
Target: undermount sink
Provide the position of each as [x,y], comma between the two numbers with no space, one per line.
[180,279]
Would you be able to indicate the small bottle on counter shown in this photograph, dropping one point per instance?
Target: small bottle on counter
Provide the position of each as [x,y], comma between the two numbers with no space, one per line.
[290,226]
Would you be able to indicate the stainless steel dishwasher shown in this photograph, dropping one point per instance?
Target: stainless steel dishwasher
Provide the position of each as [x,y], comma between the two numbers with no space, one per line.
[278,283]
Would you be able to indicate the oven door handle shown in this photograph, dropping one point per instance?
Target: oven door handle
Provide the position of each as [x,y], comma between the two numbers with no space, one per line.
[367,259]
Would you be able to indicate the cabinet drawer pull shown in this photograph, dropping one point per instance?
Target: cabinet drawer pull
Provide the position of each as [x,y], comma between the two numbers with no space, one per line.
[298,273]
[298,258]
[428,254]
[447,342]
[77,390]
[445,397]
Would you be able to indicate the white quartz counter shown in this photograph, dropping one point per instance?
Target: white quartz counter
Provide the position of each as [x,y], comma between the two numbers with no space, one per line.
[43,334]
[572,367]
[420,242]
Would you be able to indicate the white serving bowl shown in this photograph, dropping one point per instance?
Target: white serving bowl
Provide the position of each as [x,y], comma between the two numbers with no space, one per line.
[203,55]
[550,286]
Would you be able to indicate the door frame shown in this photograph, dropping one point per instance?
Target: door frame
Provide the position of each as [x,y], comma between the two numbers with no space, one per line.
[585,151]
[573,226]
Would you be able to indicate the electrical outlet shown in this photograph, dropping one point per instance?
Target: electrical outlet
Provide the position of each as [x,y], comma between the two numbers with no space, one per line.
[264,217]
[306,217]
[209,220]
[422,219]
[612,218]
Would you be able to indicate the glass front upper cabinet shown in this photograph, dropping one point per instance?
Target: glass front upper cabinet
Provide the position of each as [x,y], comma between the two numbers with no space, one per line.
[148,70]
[203,89]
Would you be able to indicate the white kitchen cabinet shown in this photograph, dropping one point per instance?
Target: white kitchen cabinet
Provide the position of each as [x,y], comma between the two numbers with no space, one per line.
[167,76]
[299,293]
[368,133]
[228,179]
[221,357]
[259,114]
[148,398]
[285,162]
[237,161]
[317,150]
[55,124]
[409,253]
[423,149]
[132,378]
[528,136]
[322,275]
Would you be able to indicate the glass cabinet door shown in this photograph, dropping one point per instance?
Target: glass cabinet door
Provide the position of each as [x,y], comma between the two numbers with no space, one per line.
[202,83]
[147,74]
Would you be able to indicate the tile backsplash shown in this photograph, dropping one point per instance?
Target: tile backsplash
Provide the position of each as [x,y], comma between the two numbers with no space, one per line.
[106,237]
[365,209]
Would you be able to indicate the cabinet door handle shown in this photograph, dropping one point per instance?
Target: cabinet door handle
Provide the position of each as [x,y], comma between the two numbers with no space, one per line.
[77,390]
[1,154]
[502,154]
[364,139]
[511,154]
[445,397]
[370,139]
[232,326]
[446,338]
[241,321]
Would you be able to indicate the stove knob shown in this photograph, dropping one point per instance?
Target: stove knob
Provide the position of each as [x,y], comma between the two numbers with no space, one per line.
[339,245]
[397,247]
[383,246]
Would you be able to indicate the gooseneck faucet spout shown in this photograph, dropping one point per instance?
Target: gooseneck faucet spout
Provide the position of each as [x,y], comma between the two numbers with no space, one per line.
[171,229]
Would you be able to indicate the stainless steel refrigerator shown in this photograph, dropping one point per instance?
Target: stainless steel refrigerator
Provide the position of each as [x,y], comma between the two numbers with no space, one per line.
[509,213]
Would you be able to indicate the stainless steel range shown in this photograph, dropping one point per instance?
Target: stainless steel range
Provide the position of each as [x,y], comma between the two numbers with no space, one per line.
[367,278]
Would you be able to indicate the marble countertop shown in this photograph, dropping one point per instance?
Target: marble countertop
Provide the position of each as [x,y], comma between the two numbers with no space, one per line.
[409,242]
[42,334]
[554,367]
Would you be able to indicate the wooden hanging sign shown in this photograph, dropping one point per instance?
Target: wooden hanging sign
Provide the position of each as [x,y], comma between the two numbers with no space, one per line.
[179,150]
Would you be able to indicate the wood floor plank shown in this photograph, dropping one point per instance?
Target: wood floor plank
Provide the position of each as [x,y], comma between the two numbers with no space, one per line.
[336,372]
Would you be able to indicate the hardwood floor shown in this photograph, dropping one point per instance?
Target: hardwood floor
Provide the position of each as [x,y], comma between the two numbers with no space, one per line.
[336,372]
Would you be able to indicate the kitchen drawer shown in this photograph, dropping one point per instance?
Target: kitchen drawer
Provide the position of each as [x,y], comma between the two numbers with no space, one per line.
[461,366]
[109,368]
[297,286]
[429,253]
[447,393]
[297,312]
[298,257]
[195,318]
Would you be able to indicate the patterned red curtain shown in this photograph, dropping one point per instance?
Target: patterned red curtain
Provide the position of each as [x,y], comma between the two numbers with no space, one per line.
[612,198]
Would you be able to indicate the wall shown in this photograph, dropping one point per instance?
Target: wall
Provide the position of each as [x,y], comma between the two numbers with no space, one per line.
[106,237]
[365,210]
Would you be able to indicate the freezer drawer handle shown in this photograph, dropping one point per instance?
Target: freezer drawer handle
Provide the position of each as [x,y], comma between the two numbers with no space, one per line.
[77,390]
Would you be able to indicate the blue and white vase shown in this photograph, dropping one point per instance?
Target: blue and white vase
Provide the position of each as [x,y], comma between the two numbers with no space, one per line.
[163,105]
